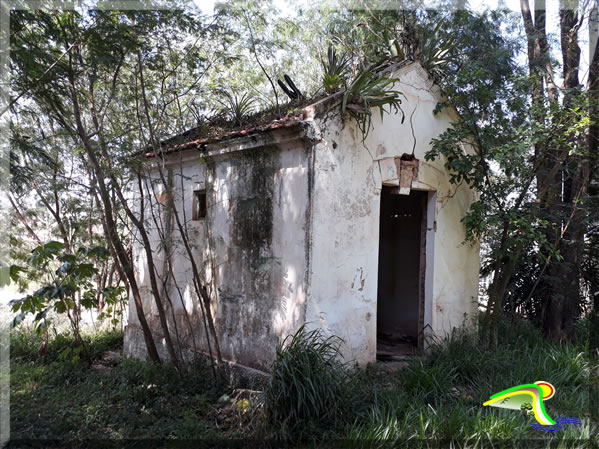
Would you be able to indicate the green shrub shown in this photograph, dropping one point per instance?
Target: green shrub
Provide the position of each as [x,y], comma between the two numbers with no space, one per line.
[306,384]
[26,345]
[587,332]
[441,395]
[428,382]
[54,398]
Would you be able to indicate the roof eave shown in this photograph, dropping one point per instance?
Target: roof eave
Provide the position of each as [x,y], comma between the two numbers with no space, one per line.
[283,137]
[225,139]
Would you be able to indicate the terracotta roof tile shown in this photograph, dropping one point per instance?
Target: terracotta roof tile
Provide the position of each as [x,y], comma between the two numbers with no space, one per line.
[286,122]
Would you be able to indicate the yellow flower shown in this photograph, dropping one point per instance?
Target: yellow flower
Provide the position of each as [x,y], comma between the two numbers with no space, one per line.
[242,406]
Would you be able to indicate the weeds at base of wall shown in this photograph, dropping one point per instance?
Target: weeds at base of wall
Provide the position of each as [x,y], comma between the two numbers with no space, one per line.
[306,383]
[77,400]
[435,401]
[436,398]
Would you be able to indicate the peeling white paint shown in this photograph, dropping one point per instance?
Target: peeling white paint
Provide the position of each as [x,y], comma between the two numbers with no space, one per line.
[320,265]
[451,277]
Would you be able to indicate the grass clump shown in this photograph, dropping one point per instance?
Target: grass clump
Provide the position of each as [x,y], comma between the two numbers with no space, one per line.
[305,386]
[435,401]
[26,345]
[443,392]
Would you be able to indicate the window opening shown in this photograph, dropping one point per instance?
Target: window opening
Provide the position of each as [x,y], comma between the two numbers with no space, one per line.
[199,205]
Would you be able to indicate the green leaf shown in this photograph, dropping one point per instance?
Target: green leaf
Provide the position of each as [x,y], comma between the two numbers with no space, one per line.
[95,252]
[60,307]
[15,272]
[64,268]
[89,300]
[65,354]
[18,320]
[54,246]
[366,92]
[67,258]
[85,270]
[45,253]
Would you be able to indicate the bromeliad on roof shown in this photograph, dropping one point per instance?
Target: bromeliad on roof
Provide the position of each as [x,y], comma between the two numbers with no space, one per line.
[199,137]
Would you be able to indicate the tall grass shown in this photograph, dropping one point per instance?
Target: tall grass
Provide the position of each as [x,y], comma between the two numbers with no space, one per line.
[437,399]
[306,383]
[444,392]
[58,401]
[30,346]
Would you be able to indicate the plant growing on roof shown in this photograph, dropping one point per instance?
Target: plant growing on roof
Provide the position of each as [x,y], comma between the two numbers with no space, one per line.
[335,70]
[437,51]
[431,47]
[369,90]
[236,108]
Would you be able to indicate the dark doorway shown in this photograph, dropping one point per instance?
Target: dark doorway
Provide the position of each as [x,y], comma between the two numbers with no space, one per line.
[400,296]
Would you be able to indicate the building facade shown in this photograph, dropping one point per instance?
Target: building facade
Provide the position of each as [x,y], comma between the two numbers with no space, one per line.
[305,222]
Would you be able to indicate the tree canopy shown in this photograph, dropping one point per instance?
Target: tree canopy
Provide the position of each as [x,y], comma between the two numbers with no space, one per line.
[91,87]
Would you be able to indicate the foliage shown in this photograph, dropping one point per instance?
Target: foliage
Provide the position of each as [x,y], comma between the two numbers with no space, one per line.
[335,70]
[305,385]
[590,263]
[56,399]
[117,86]
[67,284]
[262,46]
[25,346]
[416,35]
[438,51]
[507,145]
[435,398]
[369,90]
[438,397]
[237,108]
[192,64]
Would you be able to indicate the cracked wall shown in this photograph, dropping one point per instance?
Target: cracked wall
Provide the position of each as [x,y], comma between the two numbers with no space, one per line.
[292,234]
[345,231]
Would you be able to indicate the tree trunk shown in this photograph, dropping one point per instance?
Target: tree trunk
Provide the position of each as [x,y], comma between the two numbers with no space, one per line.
[22,219]
[561,177]
[111,227]
[137,222]
[199,285]
[564,301]
[505,263]
[593,132]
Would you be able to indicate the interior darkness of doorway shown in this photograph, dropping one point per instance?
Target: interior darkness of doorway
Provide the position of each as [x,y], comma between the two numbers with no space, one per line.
[401,268]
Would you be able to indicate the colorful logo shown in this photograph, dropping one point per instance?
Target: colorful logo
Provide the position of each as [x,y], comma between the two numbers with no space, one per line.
[530,397]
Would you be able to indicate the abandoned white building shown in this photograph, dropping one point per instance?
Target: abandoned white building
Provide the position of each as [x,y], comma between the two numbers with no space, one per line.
[301,221]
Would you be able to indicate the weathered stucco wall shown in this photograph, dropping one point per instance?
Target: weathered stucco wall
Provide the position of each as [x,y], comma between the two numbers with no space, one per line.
[349,176]
[250,248]
[292,233]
